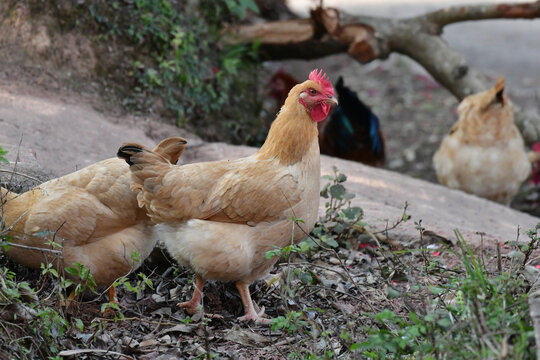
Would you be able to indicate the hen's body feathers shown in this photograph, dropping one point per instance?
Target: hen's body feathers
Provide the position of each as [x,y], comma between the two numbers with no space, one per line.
[220,218]
[92,213]
[353,131]
[484,152]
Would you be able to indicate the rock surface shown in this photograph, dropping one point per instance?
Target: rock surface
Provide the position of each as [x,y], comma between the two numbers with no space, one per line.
[382,195]
[66,137]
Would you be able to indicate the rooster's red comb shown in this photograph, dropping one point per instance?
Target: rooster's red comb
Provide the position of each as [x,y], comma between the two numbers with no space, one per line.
[320,78]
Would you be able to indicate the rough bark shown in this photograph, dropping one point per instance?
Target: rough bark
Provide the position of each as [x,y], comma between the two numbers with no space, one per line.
[330,31]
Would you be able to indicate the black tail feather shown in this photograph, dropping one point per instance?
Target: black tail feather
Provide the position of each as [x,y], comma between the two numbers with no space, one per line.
[127,151]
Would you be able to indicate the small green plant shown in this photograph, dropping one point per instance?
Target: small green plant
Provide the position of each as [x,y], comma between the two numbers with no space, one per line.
[291,322]
[84,279]
[341,221]
[288,250]
[35,327]
[139,287]
[2,158]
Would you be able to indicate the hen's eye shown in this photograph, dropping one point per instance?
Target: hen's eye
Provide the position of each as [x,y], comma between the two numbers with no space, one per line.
[312,92]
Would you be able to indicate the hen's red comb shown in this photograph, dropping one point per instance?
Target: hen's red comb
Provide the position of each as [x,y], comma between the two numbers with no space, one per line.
[320,78]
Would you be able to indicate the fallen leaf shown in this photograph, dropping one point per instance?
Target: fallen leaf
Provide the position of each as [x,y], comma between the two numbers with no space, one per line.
[158,298]
[162,311]
[343,307]
[165,339]
[246,337]
[183,328]
[149,342]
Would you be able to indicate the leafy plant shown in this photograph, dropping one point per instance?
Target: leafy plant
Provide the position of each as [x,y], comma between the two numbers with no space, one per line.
[291,322]
[179,65]
[341,221]
[35,327]
[475,314]
[2,153]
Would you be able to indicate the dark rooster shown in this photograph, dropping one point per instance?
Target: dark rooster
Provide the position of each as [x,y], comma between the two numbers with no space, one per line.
[352,132]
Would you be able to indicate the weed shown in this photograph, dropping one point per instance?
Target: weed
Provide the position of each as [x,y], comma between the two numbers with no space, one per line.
[178,59]
[477,313]
[2,153]
[341,221]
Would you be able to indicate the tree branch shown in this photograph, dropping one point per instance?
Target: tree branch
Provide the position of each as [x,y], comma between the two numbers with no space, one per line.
[329,31]
[455,14]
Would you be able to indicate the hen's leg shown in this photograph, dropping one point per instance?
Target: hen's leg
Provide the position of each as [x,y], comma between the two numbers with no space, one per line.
[249,309]
[113,298]
[70,301]
[192,305]
[111,292]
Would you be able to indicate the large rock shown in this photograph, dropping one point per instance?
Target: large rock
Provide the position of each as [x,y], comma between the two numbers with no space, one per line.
[67,137]
[382,195]
[23,171]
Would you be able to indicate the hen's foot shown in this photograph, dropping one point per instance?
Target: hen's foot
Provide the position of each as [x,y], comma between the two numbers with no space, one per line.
[257,318]
[191,307]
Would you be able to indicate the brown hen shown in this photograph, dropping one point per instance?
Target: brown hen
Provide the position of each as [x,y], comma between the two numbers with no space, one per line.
[220,218]
[92,213]
[484,153]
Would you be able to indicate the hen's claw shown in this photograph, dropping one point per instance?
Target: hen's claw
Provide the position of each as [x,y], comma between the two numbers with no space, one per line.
[191,307]
[257,318]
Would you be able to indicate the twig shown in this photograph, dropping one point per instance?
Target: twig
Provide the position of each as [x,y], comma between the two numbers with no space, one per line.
[59,252]
[20,174]
[10,227]
[206,338]
[395,225]
[482,247]
[138,319]
[499,260]
[286,341]
[93,351]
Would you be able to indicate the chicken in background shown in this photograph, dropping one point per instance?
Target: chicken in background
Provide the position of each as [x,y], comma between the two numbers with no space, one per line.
[220,218]
[534,158]
[484,153]
[92,213]
[280,84]
[351,132]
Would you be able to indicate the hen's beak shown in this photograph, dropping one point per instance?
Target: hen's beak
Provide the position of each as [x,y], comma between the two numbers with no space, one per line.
[331,101]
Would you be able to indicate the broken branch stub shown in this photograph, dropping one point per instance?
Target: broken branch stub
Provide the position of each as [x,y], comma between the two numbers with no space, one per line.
[359,38]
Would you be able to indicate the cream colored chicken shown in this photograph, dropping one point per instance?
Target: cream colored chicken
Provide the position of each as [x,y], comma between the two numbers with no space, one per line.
[484,153]
[92,213]
[220,218]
